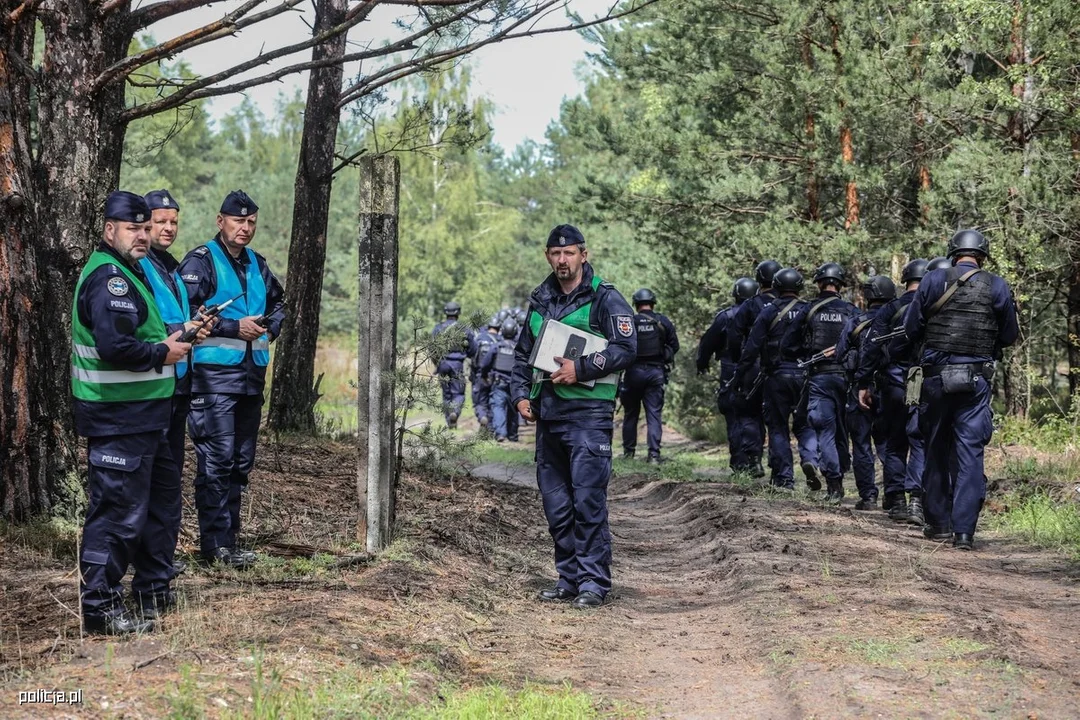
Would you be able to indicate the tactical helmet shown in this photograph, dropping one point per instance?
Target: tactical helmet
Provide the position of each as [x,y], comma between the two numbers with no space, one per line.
[879,288]
[765,272]
[787,280]
[938,263]
[452,309]
[502,314]
[744,289]
[831,271]
[509,329]
[495,322]
[521,316]
[914,270]
[644,296]
[968,241]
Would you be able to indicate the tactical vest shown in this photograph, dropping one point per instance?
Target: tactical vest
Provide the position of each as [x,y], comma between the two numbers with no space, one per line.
[650,339]
[966,324]
[858,339]
[174,310]
[504,357]
[231,351]
[579,320]
[94,379]
[824,325]
[777,328]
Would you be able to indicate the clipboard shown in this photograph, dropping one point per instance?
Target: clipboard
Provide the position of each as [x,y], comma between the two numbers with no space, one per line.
[557,339]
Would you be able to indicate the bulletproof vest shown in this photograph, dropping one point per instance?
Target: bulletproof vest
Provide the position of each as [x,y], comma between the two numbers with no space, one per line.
[825,323]
[966,324]
[777,327]
[504,357]
[650,338]
[858,339]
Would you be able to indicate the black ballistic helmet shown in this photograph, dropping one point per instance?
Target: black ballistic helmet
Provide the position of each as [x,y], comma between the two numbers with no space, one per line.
[495,322]
[644,296]
[452,309]
[914,270]
[765,271]
[502,314]
[509,329]
[879,288]
[744,289]
[831,271]
[521,316]
[968,242]
[787,280]
[938,263]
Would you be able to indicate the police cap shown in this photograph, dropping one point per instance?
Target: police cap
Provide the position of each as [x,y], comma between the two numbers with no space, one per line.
[744,289]
[126,207]
[788,280]
[914,270]
[161,200]
[644,296]
[967,242]
[765,271]
[879,288]
[830,271]
[238,204]
[564,235]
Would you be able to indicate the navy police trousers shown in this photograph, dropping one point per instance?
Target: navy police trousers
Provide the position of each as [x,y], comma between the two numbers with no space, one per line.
[643,385]
[573,466]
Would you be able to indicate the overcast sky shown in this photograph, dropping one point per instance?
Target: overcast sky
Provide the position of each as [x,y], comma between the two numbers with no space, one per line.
[526,79]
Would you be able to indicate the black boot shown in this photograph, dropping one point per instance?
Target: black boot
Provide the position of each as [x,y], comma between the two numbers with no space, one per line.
[812,480]
[556,594]
[898,507]
[115,622]
[915,511]
[869,503]
[835,492]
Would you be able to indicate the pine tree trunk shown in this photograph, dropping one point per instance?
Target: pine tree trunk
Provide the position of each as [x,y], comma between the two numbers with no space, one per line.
[813,211]
[50,219]
[293,396]
[847,144]
[1072,297]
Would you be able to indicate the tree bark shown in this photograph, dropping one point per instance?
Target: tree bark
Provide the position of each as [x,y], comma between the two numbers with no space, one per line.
[294,393]
[1072,298]
[813,210]
[50,218]
[847,145]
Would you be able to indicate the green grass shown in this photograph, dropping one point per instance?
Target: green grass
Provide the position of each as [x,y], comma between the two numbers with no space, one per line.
[1042,520]
[512,455]
[1063,468]
[55,537]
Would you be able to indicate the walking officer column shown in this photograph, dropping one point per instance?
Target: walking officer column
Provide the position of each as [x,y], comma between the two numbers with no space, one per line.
[964,316]
[451,366]
[122,379]
[229,371]
[574,410]
[645,380]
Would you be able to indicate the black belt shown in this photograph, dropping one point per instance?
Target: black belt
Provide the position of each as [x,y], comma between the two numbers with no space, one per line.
[986,369]
[826,368]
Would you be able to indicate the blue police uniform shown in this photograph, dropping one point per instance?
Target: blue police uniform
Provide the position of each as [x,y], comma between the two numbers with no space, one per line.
[451,371]
[723,342]
[644,381]
[865,427]
[574,426]
[497,364]
[750,407]
[817,326]
[228,378]
[960,343]
[903,458]
[481,388]
[133,481]
[782,388]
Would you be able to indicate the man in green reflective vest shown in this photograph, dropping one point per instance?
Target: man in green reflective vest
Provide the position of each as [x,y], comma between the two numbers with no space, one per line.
[574,410]
[122,377]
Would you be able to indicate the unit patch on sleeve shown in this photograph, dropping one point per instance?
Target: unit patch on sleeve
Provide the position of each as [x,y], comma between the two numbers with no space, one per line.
[624,325]
[599,361]
[117,286]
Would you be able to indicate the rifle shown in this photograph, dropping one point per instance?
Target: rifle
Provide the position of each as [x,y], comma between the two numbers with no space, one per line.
[818,357]
[895,333]
[206,316]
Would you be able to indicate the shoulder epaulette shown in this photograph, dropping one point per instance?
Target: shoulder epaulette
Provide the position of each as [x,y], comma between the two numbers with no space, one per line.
[200,251]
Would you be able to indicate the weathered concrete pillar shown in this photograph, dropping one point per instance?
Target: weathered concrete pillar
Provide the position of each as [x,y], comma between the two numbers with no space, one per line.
[379,186]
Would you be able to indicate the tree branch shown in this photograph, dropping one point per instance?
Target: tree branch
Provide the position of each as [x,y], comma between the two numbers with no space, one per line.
[144,17]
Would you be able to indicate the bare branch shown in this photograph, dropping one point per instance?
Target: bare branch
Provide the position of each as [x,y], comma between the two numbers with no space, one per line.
[345,162]
[144,17]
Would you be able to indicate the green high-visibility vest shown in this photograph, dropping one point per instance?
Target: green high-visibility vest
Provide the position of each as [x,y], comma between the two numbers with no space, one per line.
[95,380]
[579,319]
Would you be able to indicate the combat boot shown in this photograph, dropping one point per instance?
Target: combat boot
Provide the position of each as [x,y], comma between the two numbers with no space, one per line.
[869,503]
[812,480]
[898,509]
[915,511]
[115,622]
[835,492]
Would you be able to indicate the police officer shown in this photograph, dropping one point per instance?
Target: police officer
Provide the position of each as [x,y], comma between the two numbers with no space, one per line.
[888,362]
[481,386]
[783,380]
[817,328]
[964,316]
[229,371]
[123,379]
[643,384]
[170,296]
[864,423]
[497,364]
[722,340]
[451,366]
[574,421]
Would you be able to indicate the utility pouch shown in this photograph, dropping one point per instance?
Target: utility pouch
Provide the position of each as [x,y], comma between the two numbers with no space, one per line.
[913,386]
[988,370]
[957,379]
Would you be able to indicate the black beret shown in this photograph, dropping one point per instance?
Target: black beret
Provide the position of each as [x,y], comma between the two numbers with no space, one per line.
[564,235]
[161,200]
[126,207]
[238,203]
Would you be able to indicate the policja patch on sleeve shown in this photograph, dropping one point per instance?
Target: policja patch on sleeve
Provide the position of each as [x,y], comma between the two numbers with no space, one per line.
[624,325]
[117,286]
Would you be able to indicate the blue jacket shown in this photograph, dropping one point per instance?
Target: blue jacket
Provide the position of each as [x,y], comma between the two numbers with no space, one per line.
[721,340]
[197,272]
[609,311]
[893,356]
[760,335]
